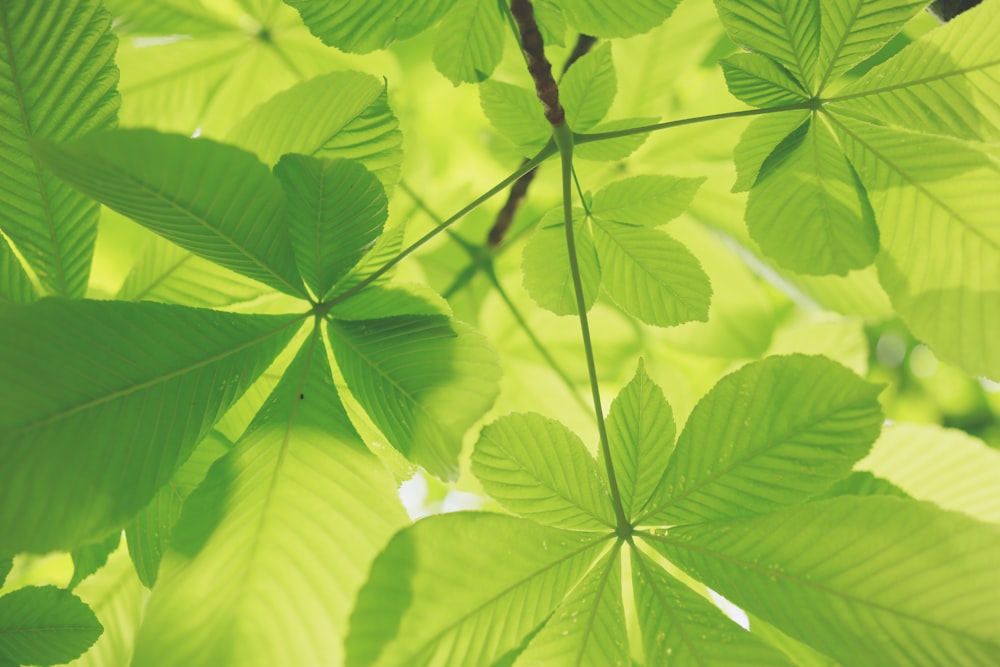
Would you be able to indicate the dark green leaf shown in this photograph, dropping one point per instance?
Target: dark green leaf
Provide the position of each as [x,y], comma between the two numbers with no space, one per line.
[45,625]
[90,558]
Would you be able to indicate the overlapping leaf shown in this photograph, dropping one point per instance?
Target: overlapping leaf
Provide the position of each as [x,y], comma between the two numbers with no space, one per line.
[648,200]
[622,19]
[547,273]
[360,26]
[82,382]
[469,41]
[15,285]
[44,625]
[57,81]
[759,81]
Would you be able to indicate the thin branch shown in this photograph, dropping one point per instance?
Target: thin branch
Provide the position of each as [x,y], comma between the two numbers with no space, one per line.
[538,65]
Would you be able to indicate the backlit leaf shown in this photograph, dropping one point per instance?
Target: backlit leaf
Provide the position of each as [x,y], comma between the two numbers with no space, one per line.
[588,89]
[621,19]
[759,81]
[44,625]
[547,274]
[470,41]
[360,26]
[648,200]
[758,141]
[516,113]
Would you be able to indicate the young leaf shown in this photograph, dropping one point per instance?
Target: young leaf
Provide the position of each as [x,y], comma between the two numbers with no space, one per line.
[886,581]
[427,600]
[588,627]
[469,41]
[808,210]
[360,26]
[758,141]
[338,115]
[759,81]
[45,625]
[648,200]
[516,113]
[538,468]
[336,210]
[588,89]
[547,274]
[82,382]
[422,380]
[216,200]
[785,30]
[90,558]
[284,527]
[641,433]
[15,285]
[650,275]
[679,627]
[622,19]
[773,433]
[59,87]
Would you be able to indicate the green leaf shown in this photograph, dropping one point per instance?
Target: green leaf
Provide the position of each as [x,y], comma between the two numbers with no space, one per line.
[6,565]
[856,29]
[516,113]
[758,141]
[213,199]
[650,275]
[759,81]
[148,533]
[15,285]
[360,26]
[641,434]
[284,527]
[649,200]
[886,581]
[808,211]
[338,115]
[82,382]
[90,558]
[45,625]
[377,301]
[588,88]
[422,379]
[935,201]
[787,31]
[624,18]
[386,248]
[58,82]
[536,467]
[862,483]
[164,17]
[619,148]
[547,274]
[679,627]
[419,608]
[551,21]
[469,41]
[336,210]
[588,627]
[947,82]
[773,433]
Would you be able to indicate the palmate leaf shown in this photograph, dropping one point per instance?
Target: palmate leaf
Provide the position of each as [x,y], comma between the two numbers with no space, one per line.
[936,200]
[681,628]
[337,115]
[82,382]
[336,210]
[760,81]
[757,143]
[621,19]
[284,529]
[808,210]
[44,625]
[469,41]
[773,433]
[924,578]
[213,199]
[547,274]
[463,589]
[58,82]
[360,26]
[536,467]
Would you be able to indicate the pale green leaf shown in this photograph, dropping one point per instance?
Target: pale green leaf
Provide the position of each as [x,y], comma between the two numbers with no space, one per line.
[680,628]
[470,41]
[946,466]
[57,82]
[337,115]
[622,18]
[588,88]
[273,547]
[588,627]
[650,200]
[90,558]
[387,248]
[463,589]
[785,30]
[516,113]
[807,209]
[759,81]
[148,533]
[947,82]
[862,483]
[81,382]
[547,274]
[336,210]
[164,17]
[213,199]
[536,467]
[936,201]
[618,148]
[773,433]
[360,26]
[551,21]
[45,625]
[758,141]
[856,29]
[377,301]
[886,581]
[422,379]
[641,434]
[15,285]
[650,275]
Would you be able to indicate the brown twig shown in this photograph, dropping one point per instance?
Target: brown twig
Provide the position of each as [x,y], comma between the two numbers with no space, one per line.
[538,65]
